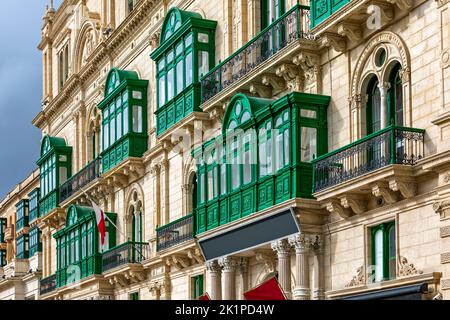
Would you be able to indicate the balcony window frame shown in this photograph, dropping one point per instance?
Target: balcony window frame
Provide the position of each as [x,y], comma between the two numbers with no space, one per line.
[35,241]
[388,260]
[22,246]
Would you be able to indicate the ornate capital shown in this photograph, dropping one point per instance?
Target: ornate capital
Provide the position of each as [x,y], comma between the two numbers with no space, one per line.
[301,242]
[213,267]
[229,264]
[282,247]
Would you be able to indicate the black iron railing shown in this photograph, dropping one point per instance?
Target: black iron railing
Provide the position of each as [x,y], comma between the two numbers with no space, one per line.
[128,252]
[174,233]
[89,173]
[291,26]
[47,284]
[392,145]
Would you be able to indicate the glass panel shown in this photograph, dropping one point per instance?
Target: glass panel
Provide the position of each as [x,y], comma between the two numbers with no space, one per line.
[105,136]
[169,57]
[188,69]
[112,126]
[232,125]
[170,84]
[308,144]
[119,125]
[62,175]
[392,253]
[223,179]
[179,73]
[179,49]
[137,119]
[210,184]
[378,259]
[188,40]
[137,95]
[398,101]
[376,109]
[203,63]
[279,150]
[245,117]
[203,37]
[162,91]
[308,113]
[161,64]
[125,119]
[202,187]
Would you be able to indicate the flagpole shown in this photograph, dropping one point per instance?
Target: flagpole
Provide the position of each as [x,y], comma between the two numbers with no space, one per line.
[114,225]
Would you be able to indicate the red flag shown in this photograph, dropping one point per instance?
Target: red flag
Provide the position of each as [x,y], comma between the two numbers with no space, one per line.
[100,217]
[204,297]
[268,290]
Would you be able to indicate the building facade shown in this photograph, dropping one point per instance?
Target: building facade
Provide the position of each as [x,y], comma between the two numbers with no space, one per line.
[232,141]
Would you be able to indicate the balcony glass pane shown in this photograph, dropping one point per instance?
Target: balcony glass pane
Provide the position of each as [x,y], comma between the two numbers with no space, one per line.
[308,144]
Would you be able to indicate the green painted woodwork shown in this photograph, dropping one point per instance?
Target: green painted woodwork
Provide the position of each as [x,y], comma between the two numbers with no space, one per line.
[124,121]
[3,258]
[55,166]
[3,222]
[197,286]
[22,246]
[33,206]
[271,10]
[258,161]
[185,53]
[134,296]
[35,243]
[22,214]
[323,9]
[78,248]
[388,263]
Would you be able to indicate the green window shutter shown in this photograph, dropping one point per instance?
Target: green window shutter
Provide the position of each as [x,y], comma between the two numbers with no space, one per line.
[197,286]
[383,250]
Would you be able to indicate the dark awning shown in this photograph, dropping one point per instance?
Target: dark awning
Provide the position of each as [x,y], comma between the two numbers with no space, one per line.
[254,234]
[412,292]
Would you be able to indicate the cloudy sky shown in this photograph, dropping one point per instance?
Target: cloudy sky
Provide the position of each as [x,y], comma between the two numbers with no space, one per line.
[20,89]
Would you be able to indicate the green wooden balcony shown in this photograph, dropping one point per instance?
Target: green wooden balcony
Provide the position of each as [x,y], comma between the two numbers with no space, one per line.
[125,253]
[392,145]
[175,233]
[321,10]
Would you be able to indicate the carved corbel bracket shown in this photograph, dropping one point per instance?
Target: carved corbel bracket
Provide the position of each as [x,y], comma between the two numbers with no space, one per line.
[275,82]
[443,208]
[332,40]
[334,206]
[292,75]
[358,204]
[195,254]
[408,189]
[352,31]
[382,190]
[405,5]
[260,90]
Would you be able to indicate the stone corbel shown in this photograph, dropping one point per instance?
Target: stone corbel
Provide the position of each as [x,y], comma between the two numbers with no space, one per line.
[334,206]
[118,279]
[381,190]
[384,15]
[443,208]
[405,5]
[196,255]
[136,171]
[119,180]
[291,74]
[407,189]
[260,90]
[358,204]
[352,31]
[180,262]
[333,40]
[154,40]
[134,276]
[275,82]
[216,113]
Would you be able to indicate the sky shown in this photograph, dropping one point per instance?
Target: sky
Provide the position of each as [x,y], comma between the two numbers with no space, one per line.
[20,89]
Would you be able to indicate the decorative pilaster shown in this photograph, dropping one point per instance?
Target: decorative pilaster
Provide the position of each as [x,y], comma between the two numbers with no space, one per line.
[283,250]
[155,171]
[384,88]
[243,273]
[319,269]
[229,265]
[215,272]
[302,246]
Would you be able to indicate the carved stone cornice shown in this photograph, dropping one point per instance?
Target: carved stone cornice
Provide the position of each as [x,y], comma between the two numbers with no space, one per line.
[291,74]
[260,90]
[405,5]
[441,3]
[275,82]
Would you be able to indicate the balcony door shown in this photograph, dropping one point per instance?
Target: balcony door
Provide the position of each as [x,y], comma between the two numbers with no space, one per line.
[271,10]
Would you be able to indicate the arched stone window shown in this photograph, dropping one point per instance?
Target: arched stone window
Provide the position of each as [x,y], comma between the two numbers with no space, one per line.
[135,216]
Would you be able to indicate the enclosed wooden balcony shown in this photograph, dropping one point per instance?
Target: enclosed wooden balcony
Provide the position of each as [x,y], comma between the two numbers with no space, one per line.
[372,171]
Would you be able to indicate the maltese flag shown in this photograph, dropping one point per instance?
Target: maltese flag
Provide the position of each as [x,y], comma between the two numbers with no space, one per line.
[100,217]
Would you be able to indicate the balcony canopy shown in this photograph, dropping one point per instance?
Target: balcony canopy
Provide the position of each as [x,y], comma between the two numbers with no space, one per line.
[50,145]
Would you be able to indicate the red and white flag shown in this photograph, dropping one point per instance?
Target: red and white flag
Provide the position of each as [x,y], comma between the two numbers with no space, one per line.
[268,290]
[100,217]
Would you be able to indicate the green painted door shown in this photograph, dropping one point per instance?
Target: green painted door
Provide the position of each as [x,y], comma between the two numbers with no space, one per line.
[197,286]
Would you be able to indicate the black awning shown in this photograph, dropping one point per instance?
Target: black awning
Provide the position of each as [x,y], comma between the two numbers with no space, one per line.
[276,226]
[411,292]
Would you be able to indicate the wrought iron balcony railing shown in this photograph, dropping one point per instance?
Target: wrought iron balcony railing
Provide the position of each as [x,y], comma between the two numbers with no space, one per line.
[174,233]
[128,252]
[292,25]
[47,285]
[89,173]
[392,145]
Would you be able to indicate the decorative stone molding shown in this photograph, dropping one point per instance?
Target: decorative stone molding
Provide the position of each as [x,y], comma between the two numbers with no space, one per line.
[445,257]
[445,59]
[213,266]
[358,279]
[196,255]
[268,258]
[301,242]
[445,284]
[154,40]
[229,264]
[260,90]
[405,5]
[282,247]
[352,31]
[443,208]
[408,189]
[178,261]
[381,190]
[357,204]
[275,82]
[445,231]
[334,206]
[328,39]
[405,268]
[291,74]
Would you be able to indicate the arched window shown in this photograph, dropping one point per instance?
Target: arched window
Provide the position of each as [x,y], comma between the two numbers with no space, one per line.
[373,106]
[185,53]
[396,96]
[134,218]
[383,251]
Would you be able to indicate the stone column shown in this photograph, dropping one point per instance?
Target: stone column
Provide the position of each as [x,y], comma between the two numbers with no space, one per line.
[283,249]
[319,272]
[215,272]
[229,265]
[384,87]
[243,273]
[156,174]
[302,246]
